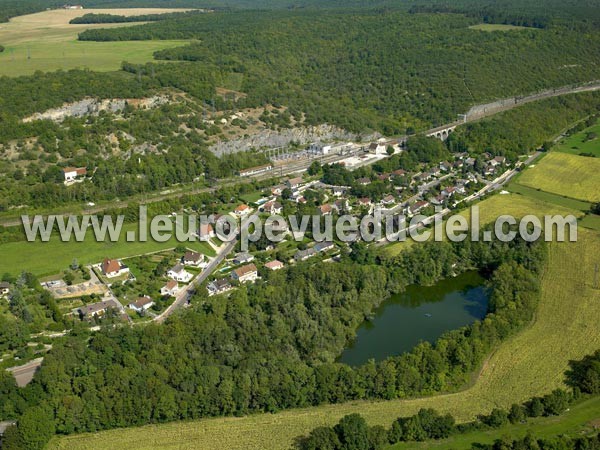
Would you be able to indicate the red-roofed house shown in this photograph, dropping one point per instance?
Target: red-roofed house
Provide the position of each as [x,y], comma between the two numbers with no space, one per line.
[112,268]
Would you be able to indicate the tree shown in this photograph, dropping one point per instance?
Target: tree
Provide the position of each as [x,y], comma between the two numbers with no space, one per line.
[314,168]
[496,419]
[36,427]
[389,150]
[517,414]
[595,209]
[353,433]
[321,438]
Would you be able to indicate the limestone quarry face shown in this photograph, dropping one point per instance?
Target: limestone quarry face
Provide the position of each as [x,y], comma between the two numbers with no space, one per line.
[283,138]
[93,106]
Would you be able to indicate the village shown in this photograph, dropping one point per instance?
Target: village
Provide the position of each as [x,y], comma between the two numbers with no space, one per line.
[150,287]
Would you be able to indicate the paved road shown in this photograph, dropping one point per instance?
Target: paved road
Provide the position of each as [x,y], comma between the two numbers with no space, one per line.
[24,374]
[184,294]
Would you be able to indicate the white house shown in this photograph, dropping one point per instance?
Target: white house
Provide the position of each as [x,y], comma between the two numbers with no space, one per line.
[141,304]
[218,287]
[4,289]
[193,259]
[243,258]
[245,274]
[170,289]
[319,149]
[273,207]
[178,273]
[206,232]
[112,268]
[242,210]
[274,265]
[294,183]
[73,174]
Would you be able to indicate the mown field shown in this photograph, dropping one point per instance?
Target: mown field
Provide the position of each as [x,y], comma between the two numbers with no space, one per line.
[531,363]
[565,174]
[46,41]
[49,258]
[578,143]
[573,423]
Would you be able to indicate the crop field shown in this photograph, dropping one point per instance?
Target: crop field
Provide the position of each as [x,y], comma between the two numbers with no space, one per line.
[579,142]
[567,175]
[548,197]
[530,363]
[49,258]
[574,422]
[46,41]
[591,221]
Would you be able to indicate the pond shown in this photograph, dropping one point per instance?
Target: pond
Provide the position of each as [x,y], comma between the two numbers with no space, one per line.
[421,313]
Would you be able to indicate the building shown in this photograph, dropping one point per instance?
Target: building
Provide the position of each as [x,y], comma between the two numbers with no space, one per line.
[303,255]
[170,289]
[274,265]
[294,183]
[324,246]
[220,286]
[388,200]
[244,274]
[141,304]
[272,207]
[193,259]
[319,149]
[339,191]
[206,232]
[278,190]
[364,181]
[4,289]
[341,205]
[242,210]
[418,206]
[497,161]
[178,273]
[449,191]
[99,309]
[73,174]
[112,268]
[255,170]
[243,258]
[398,173]
[378,148]
[325,210]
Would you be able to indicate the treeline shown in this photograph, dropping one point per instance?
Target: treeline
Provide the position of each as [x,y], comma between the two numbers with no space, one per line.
[352,431]
[273,345]
[113,18]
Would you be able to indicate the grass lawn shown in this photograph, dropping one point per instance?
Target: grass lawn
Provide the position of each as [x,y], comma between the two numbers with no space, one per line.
[46,41]
[530,363]
[253,197]
[498,27]
[576,144]
[567,175]
[49,258]
[548,197]
[591,221]
[574,423]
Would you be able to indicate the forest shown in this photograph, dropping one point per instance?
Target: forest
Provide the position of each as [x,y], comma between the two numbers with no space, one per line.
[114,18]
[273,345]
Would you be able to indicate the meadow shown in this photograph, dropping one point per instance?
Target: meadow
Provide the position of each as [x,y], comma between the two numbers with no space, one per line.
[578,143]
[46,41]
[48,258]
[563,174]
[530,363]
[498,27]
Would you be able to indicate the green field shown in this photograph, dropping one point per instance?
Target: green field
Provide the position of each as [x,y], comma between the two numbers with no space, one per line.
[49,258]
[591,221]
[46,41]
[577,143]
[548,197]
[498,27]
[563,174]
[531,363]
[574,423]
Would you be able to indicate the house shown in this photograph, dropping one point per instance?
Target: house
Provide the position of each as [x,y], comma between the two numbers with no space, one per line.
[220,286]
[398,173]
[470,161]
[170,289]
[418,206]
[303,255]
[273,207]
[243,258]
[339,191]
[497,161]
[278,190]
[341,205]
[242,210]
[325,210]
[324,246]
[445,166]
[141,304]
[112,268]
[449,191]
[364,181]
[4,289]
[193,259]
[244,274]
[178,273]
[274,265]
[206,232]
[438,200]
[294,183]
[99,309]
[388,200]
[383,177]
[378,148]
[73,174]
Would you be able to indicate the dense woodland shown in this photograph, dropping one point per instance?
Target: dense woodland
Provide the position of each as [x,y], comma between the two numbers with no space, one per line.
[273,345]
[114,18]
